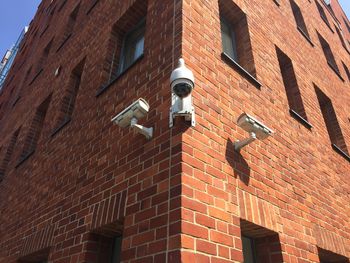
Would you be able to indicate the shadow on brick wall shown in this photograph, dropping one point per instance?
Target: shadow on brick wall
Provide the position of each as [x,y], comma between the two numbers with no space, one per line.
[240,166]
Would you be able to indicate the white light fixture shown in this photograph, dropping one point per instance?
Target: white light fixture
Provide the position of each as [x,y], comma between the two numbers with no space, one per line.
[256,129]
[182,84]
[131,115]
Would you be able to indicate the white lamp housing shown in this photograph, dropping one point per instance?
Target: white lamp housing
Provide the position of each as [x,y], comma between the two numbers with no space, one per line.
[255,128]
[131,115]
[182,84]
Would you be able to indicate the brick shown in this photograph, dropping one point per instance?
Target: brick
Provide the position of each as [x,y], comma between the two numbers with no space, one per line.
[185,195]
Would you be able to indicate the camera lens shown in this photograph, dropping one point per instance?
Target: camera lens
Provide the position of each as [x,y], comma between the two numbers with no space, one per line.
[182,89]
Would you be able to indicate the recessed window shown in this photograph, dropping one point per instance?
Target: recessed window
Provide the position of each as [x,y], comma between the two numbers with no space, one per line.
[69,28]
[346,24]
[341,37]
[236,45]
[133,46]
[62,5]
[249,254]
[41,62]
[260,244]
[277,2]
[346,71]
[299,19]
[8,154]
[92,5]
[126,45]
[106,247]
[34,132]
[332,124]
[69,98]
[327,256]
[48,21]
[291,86]
[36,257]
[323,14]
[228,39]
[329,56]
[44,56]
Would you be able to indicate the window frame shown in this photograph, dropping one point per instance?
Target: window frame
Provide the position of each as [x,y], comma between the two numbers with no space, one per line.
[122,68]
[117,249]
[224,21]
[252,247]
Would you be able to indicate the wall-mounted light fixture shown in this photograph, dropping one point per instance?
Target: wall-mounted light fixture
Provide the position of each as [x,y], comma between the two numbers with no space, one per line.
[256,129]
[131,115]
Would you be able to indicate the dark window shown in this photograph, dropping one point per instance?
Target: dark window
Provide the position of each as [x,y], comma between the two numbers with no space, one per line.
[44,56]
[260,244]
[236,45]
[133,46]
[346,24]
[92,5]
[117,246]
[228,39]
[340,35]
[35,130]
[330,8]
[299,19]
[106,247]
[126,45]
[346,71]
[68,31]
[295,101]
[71,22]
[323,14]
[331,122]
[327,256]
[36,257]
[71,93]
[29,71]
[329,55]
[8,154]
[277,2]
[63,3]
[248,250]
[48,21]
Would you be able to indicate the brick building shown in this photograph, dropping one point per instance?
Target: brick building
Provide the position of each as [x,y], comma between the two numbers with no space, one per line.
[76,188]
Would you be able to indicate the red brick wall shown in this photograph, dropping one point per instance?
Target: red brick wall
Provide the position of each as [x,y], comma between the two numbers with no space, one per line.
[181,196]
[293,183]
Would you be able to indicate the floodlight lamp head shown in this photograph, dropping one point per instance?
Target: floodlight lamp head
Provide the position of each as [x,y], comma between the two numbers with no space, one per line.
[255,128]
[131,115]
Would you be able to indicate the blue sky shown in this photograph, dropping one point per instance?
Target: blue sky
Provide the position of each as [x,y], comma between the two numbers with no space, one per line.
[346,6]
[16,14]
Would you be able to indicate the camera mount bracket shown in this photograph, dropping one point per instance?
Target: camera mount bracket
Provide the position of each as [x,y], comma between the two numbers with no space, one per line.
[240,144]
[147,132]
[182,107]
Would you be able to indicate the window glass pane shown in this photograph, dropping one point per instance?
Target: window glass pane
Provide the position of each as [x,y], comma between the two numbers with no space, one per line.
[248,252]
[117,246]
[139,48]
[133,47]
[228,40]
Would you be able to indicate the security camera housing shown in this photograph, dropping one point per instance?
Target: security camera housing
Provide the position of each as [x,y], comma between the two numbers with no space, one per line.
[255,128]
[182,80]
[250,124]
[131,115]
[182,84]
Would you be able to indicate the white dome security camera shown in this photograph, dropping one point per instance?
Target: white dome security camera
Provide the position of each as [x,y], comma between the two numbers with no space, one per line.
[182,80]
[182,84]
